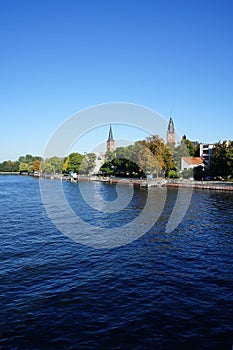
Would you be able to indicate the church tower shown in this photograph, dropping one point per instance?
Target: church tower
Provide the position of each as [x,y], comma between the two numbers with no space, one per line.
[110,141]
[171,135]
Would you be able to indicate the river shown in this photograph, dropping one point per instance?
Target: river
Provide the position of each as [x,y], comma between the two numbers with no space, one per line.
[161,291]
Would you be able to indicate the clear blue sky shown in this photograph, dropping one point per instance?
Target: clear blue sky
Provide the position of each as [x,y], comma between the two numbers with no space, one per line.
[58,57]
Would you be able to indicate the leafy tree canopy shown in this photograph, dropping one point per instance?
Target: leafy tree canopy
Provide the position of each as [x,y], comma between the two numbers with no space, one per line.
[221,163]
[72,163]
[9,166]
[52,165]
[87,164]
[146,156]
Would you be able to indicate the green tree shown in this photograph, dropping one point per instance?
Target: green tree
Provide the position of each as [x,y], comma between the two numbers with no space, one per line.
[47,168]
[221,162]
[52,165]
[107,168]
[109,156]
[87,164]
[122,162]
[180,151]
[185,149]
[199,173]
[9,166]
[29,159]
[172,174]
[72,163]
[122,152]
[230,158]
[189,146]
[197,150]
[161,153]
[169,164]
[56,163]
[145,159]
[25,167]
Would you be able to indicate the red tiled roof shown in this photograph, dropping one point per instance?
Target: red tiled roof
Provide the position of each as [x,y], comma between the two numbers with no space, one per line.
[193,160]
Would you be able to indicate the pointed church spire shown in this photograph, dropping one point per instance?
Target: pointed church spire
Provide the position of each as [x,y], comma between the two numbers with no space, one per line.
[171,135]
[110,135]
[171,128]
[110,141]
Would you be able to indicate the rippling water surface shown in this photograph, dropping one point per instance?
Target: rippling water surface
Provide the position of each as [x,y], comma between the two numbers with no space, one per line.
[162,291]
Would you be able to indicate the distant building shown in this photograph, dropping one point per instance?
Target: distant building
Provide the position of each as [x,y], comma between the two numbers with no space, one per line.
[191,162]
[206,152]
[110,141]
[171,135]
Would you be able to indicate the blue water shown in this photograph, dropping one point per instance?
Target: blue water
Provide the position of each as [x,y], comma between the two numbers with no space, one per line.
[162,291]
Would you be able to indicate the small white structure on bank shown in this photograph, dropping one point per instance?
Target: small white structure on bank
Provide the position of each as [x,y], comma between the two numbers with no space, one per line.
[191,162]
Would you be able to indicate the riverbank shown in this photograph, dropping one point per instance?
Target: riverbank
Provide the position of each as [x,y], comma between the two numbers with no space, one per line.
[142,183]
[9,173]
[204,185]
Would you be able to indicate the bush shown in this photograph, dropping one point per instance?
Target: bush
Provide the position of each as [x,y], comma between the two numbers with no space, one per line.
[172,174]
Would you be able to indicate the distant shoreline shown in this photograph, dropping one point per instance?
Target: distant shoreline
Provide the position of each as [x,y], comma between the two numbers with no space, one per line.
[9,173]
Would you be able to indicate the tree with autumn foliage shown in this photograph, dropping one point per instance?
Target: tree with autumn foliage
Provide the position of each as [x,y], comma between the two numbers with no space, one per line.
[160,152]
[29,163]
[36,166]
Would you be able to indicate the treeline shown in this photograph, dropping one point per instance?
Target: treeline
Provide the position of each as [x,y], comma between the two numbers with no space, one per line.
[150,156]
[75,162]
[153,156]
[9,166]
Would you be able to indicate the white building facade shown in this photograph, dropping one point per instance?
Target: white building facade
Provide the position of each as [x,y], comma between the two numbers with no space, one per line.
[206,152]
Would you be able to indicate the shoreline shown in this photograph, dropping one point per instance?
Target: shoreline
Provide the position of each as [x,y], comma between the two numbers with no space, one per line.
[9,173]
[204,185]
[144,183]
[141,183]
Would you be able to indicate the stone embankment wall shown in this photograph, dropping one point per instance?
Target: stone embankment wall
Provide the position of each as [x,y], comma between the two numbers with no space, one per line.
[205,185]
